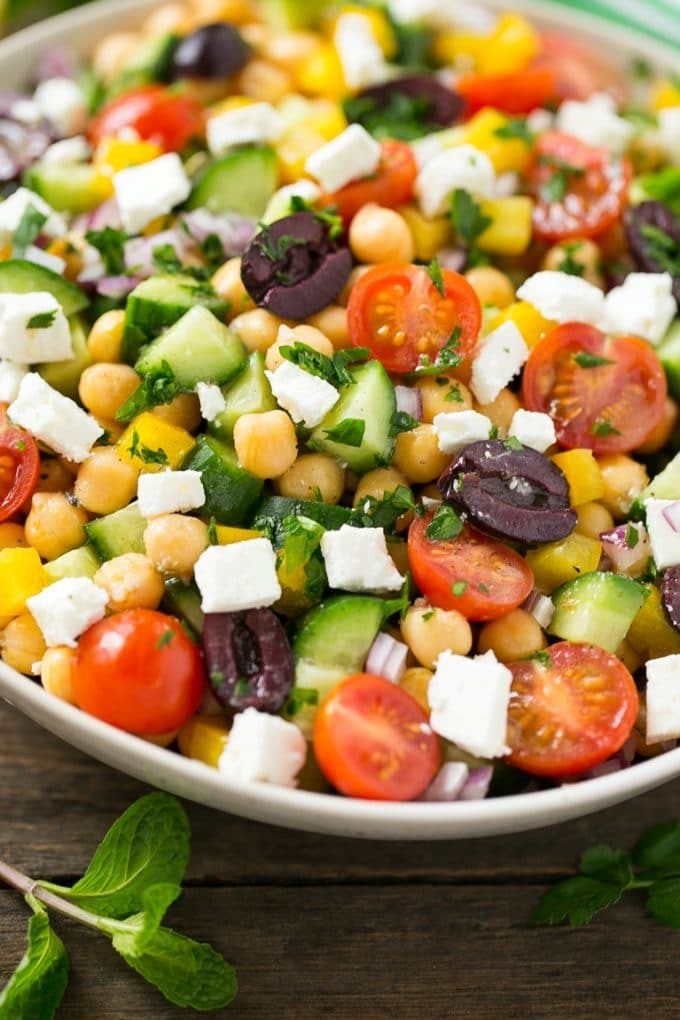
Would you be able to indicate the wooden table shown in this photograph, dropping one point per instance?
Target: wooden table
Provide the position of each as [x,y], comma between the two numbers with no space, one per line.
[322,927]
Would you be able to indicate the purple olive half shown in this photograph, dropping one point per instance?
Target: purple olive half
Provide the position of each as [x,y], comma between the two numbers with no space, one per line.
[212,51]
[294,268]
[653,230]
[248,659]
[510,493]
[670,593]
[439,106]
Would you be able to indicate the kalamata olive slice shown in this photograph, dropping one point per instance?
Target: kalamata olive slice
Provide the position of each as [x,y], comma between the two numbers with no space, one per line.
[212,51]
[652,228]
[248,659]
[294,268]
[406,107]
[670,592]
[510,492]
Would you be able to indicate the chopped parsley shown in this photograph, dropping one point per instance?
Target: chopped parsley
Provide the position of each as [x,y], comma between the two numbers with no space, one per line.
[402,422]
[158,386]
[467,217]
[329,217]
[27,230]
[662,248]
[483,588]
[42,320]
[165,259]
[459,588]
[556,186]
[334,370]
[512,443]
[641,69]
[349,432]
[241,688]
[632,536]
[569,263]
[276,248]
[446,360]
[298,698]
[165,638]
[145,453]
[434,271]
[603,427]
[384,513]
[216,678]
[587,360]
[453,395]
[426,617]
[212,532]
[664,186]
[396,116]
[110,243]
[493,432]
[516,128]
[542,657]
[445,524]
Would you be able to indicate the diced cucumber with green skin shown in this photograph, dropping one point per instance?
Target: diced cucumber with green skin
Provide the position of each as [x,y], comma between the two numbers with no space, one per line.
[665,485]
[240,182]
[19,276]
[149,61]
[285,15]
[250,393]
[118,533]
[669,353]
[65,375]
[81,562]
[231,492]
[198,347]
[184,601]
[597,609]
[67,187]
[372,400]
[273,509]
[157,303]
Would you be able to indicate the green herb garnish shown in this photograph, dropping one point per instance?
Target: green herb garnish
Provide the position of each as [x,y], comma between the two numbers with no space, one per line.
[445,524]
[165,259]
[434,271]
[145,453]
[28,228]
[459,587]
[158,386]
[512,443]
[384,513]
[662,248]
[467,217]
[603,427]
[349,432]
[563,174]
[334,370]
[446,360]
[110,244]
[43,320]
[517,128]
[298,698]
[212,532]
[329,217]
[569,263]
[165,638]
[632,536]
[542,657]
[402,422]
[587,360]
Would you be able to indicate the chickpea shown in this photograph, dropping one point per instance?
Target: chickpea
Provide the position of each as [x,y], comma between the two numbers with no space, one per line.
[206,12]
[593,519]
[624,479]
[500,411]
[132,582]
[266,444]
[513,636]
[171,17]
[174,542]
[22,644]
[12,536]
[112,52]
[581,251]
[228,285]
[398,549]
[491,286]
[105,483]
[428,632]
[105,339]
[352,280]
[257,329]
[660,435]
[103,388]
[184,411]
[441,395]
[288,49]
[313,476]
[629,657]
[56,672]
[416,682]
[54,525]
[287,337]
[376,483]
[264,81]
[56,475]
[417,455]
[332,321]
[377,234]
[113,430]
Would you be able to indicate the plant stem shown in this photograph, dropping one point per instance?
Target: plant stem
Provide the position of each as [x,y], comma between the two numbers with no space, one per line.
[29,887]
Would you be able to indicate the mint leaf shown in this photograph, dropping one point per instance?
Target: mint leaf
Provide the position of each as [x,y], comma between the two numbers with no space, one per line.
[576,900]
[38,984]
[606,864]
[663,902]
[659,848]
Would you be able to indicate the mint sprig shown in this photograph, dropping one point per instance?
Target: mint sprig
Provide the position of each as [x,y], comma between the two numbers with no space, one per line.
[133,878]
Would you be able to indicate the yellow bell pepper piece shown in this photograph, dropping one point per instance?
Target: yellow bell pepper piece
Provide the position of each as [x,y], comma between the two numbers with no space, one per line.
[21,577]
[203,738]
[511,46]
[529,322]
[558,562]
[12,536]
[510,230]
[150,444]
[462,50]
[428,235]
[114,154]
[583,473]
[228,536]
[320,74]
[650,633]
[294,149]
[230,103]
[506,154]
[665,94]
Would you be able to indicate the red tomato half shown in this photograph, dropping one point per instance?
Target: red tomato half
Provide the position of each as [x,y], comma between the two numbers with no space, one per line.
[580,190]
[19,466]
[155,113]
[479,576]
[397,311]
[579,69]
[515,93]
[391,185]
[138,670]
[373,740]
[570,714]
[609,408]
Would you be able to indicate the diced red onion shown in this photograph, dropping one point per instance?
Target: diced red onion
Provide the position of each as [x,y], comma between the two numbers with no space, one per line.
[428,502]
[235,232]
[452,258]
[409,401]
[105,215]
[387,658]
[449,782]
[477,784]
[540,607]
[622,555]
[56,62]
[117,286]
[672,515]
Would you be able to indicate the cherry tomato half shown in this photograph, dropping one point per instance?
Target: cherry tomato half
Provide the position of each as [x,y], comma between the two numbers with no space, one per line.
[138,670]
[19,466]
[155,113]
[580,190]
[397,311]
[609,407]
[569,712]
[479,576]
[515,93]
[373,740]
[391,185]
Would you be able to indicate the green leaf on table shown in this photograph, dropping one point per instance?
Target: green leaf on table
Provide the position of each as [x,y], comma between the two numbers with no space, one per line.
[38,984]
[663,901]
[576,900]
[606,864]
[659,848]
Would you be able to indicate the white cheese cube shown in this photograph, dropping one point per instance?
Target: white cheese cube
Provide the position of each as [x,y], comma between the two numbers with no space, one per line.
[596,122]
[306,397]
[211,400]
[54,419]
[469,701]
[169,492]
[263,748]
[357,560]
[444,14]
[460,167]
[457,429]
[45,258]
[663,699]
[664,540]
[14,207]
[62,102]
[563,298]
[533,429]
[361,58]
[643,305]
[68,151]
[349,156]
[669,133]
[66,609]
[237,576]
[11,375]
[150,190]
[33,329]
[254,124]
[498,359]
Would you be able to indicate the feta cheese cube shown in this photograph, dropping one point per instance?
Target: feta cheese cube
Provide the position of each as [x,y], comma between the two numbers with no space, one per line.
[498,359]
[469,701]
[150,190]
[349,156]
[596,122]
[61,101]
[533,429]
[33,329]
[669,133]
[66,609]
[664,539]
[14,207]
[643,305]
[306,397]
[462,166]
[362,60]
[457,429]
[211,400]
[169,492]
[68,151]
[45,258]
[663,699]
[256,123]
[357,560]
[263,748]
[237,576]
[11,375]
[563,298]
[54,419]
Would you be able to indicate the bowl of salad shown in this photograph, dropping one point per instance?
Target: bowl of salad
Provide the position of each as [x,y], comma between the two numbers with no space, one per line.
[339,380]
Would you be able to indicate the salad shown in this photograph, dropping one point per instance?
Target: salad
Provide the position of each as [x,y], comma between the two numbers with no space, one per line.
[338,395]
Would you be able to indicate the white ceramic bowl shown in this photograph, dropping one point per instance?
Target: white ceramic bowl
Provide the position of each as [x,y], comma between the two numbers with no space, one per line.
[81,29]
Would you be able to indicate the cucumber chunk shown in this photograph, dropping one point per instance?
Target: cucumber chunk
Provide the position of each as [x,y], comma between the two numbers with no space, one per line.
[231,492]
[65,375]
[184,601]
[669,353]
[118,533]
[81,562]
[19,276]
[198,347]
[273,509]
[665,485]
[241,182]
[157,303]
[67,187]
[250,393]
[597,609]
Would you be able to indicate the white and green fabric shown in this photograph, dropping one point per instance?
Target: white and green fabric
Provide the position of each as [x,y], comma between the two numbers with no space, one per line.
[658,18]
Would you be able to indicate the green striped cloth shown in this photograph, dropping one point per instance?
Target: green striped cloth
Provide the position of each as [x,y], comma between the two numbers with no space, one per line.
[658,18]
